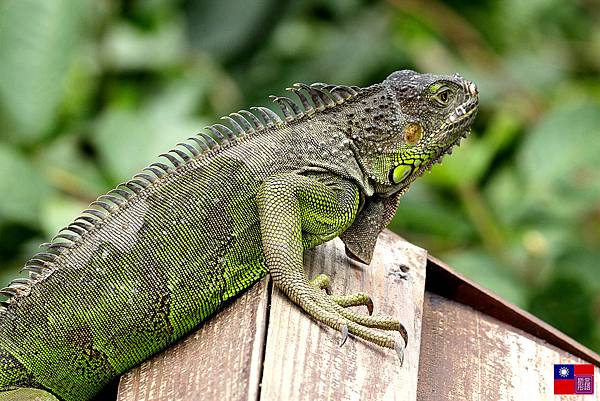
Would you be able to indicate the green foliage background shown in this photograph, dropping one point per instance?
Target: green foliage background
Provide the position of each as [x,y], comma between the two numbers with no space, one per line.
[92,90]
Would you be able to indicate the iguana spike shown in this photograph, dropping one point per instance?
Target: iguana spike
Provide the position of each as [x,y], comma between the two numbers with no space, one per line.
[220,137]
[23,281]
[172,159]
[339,99]
[201,143]
[239,131]
[108,207]
[148,177]
[162,166]
[37,262]
[265,117]
[296,110]
[308,108]
[325,97]
[253,119]
[140,183]
[230,135]
[8,291]
[121,192]
[85,225]
[46,256]
[68,237]
[156,171]
[209,140]
[114,199]
[95,212]
[319,98]
[287,107]
[316,99]
[322,86]
[132,186]
[184,156]
[345,91]
[189,148]
[33,269]
[246,126]
[76,229]
[87,219]
[272,115]
[57,245]
[269,117]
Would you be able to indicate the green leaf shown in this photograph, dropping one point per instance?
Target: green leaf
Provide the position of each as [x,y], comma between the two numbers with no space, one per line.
[567,303]
[225,27]
[128,140]
[21,187]
[422,212]
[66,168]
[38,40]
[127,47]
[560,157]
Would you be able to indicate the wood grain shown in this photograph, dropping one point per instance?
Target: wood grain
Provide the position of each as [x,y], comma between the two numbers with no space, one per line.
[222,360]
[467,355]
[303,360]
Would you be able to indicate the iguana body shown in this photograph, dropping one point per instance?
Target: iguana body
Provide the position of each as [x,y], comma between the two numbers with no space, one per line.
[155,257]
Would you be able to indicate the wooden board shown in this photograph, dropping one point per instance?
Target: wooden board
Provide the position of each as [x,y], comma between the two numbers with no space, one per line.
[222,360]
[467,355]
[303,360]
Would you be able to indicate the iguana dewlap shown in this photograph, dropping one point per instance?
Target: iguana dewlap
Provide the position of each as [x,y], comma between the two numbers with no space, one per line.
[156,256]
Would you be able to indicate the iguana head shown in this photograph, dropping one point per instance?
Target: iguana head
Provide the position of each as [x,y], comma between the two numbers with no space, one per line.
[415,119]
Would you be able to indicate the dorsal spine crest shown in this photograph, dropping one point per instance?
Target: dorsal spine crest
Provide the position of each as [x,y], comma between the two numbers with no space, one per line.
[236,127]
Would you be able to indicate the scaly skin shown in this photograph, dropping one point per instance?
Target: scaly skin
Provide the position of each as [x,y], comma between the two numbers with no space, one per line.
[148,263]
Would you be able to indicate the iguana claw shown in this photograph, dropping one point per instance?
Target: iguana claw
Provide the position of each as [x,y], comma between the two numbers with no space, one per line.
[400,351]
[344,334]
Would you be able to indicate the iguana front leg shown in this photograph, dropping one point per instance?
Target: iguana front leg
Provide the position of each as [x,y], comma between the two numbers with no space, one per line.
[297,212]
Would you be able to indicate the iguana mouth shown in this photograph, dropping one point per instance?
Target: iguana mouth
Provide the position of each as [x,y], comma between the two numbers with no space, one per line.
[456,126]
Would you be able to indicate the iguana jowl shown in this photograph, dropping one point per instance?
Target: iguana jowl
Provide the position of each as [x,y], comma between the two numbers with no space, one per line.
[150,260]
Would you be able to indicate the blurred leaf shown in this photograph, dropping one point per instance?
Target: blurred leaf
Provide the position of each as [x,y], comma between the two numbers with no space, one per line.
[560,157]
[68,169]
[567,303]
[505,193]
[127,47]
[128,140]
[37,43]
[223,28]
[21,187]
[421,211]
[583,264]
[485,270]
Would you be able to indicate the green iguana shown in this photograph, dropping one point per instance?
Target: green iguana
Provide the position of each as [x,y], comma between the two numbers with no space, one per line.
[153,258]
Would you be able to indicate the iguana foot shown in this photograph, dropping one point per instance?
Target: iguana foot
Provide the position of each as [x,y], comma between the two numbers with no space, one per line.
[330,309]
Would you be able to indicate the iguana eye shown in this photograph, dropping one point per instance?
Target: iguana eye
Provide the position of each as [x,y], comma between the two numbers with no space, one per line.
[442,97]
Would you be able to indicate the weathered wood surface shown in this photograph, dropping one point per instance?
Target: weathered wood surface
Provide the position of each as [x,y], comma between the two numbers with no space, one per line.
[467,355]
[302,360]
